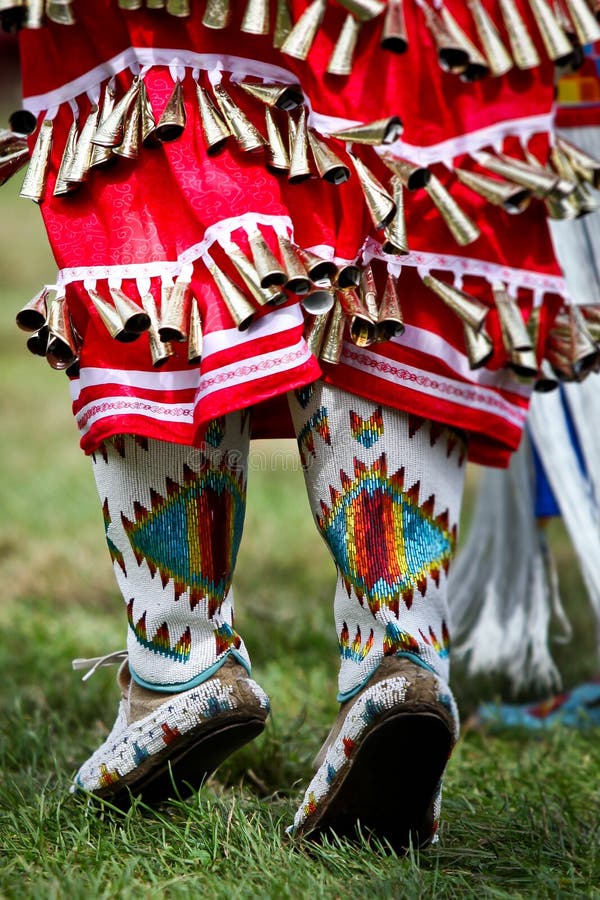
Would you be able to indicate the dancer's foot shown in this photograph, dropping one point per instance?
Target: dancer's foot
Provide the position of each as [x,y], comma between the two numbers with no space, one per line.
[384,760]
[164,745]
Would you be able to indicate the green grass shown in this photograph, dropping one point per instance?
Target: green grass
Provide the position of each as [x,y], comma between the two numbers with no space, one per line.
[521,813]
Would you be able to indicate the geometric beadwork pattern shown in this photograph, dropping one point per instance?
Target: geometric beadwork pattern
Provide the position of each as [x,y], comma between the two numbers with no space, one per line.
[191,535]
[441,647]
[226,638]
[398,641]
[215,431]
[304,395]
[306,438]
[367,431]
[161,641]
[115,554]
[385,541]
[356,651]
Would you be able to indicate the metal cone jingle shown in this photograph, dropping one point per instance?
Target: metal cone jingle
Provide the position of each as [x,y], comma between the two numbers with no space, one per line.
[103,155]
[283,23]
[586,167]
[269,269]
[297,280]
[331,350]
[179,8]
[394,35]
[523,363]
[217,14]
[135,319]
[317,301]
[514,331]
[172,122]
[512,197]
[382,131]
[247,136]
[62,348]
[381,206]
[314,333]
[471,311]
[497,55]
[364,10]
[62,185]
[299,163]
[584,352]
[538,181]
[452,56]
[283,96]
[396,240]
[129,148]
[37,343]
[175,311]
[160,351]
[278,159]
[111,318]
[214,128]
[462,228]
[256,17]
[340,62]
[390,321]
[33,315]
[478,66]
[250,276]
[59,11]
[110,130]
[84,149]
[479,346]
[348,276]
[14,154]
[147,120]
[587,28]
[363,329]
[557,44]
[329,166]
[195,339]
[321,271]
[522,46]
[242,312]
[301,37]
[412,177]
[546,380]
[34,183]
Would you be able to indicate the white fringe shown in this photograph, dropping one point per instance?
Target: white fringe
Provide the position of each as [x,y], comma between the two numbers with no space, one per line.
[500,592]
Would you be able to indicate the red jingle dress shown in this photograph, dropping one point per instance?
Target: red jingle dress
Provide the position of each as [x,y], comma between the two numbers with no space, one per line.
[175,210]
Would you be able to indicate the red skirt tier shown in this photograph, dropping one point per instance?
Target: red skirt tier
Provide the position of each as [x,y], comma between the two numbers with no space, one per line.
[175,210]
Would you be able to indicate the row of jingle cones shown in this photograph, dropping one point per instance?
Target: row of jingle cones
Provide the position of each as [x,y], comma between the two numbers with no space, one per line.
[339,298]
[563,25]
[122,127]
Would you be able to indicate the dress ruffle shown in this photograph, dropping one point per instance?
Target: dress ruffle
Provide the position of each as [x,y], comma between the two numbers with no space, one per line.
[174,213]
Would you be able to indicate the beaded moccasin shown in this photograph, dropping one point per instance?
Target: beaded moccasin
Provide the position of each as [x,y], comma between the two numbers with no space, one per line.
[165,745]
[380,770]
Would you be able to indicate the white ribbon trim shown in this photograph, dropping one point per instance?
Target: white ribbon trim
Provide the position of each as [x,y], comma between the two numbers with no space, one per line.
[492,135]
[460,266]
[157,56]
[239,67]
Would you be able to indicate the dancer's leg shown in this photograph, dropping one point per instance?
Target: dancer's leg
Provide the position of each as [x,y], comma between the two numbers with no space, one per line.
[174,518]
[385,489]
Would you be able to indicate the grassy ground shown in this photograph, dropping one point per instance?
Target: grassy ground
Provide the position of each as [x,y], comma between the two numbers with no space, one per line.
[521,812]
